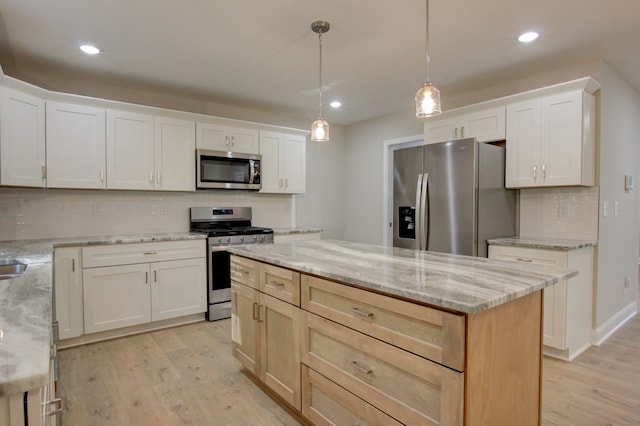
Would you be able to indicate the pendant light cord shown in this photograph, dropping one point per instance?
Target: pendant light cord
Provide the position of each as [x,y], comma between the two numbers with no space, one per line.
[426,65]
[320,74]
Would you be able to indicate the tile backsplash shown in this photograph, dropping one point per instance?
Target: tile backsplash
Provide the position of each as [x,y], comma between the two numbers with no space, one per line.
[568,213]
[51,213]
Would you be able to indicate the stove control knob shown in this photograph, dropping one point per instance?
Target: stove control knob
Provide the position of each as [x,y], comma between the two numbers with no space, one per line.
[220,240]
[262,238]
[255,238]
[228,240]
[242,238]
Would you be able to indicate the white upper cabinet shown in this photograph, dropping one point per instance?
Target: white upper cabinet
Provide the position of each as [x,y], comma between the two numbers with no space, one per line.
[175,158]
[129,150]
[76,153]
[146,152]
[485,125]
[22,139]
[283,162]
[550,141]
[225,138]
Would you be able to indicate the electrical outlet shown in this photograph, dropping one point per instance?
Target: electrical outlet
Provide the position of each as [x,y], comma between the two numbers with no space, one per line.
[163,209]
[96,209]
[605,208]
[627,284]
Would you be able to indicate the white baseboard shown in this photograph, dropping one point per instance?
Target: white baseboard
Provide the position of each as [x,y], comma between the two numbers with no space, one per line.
[602,333]
[566,354]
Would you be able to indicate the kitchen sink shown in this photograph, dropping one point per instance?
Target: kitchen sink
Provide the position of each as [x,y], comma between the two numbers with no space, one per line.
[11,268]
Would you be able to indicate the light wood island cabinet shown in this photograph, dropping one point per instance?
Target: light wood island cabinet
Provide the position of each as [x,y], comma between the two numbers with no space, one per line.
[362,357]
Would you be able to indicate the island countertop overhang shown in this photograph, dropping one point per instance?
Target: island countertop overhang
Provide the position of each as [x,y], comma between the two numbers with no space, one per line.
[459,283]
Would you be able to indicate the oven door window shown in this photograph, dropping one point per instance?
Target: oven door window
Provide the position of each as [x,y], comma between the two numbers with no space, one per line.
[227,170]
[220,270]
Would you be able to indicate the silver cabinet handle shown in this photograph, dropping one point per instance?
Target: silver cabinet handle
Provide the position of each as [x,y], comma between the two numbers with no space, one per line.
[276,283]
[535,172]
[155,276]
[256,313]
[362,313]
[462,131]
[233,140]
[286,183]
[243,271]
[73,264]
[158,178]
[260,309]
[544,171]
[151,177]
[362,368]
[101,175]
[146,253]
[455,133]
[281,181]
[226,140]
[146,278]
[44,172]
[524,260]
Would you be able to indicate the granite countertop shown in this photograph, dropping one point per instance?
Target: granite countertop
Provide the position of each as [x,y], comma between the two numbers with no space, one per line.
[287,231]
[25,306]
[542,243]
[460,283]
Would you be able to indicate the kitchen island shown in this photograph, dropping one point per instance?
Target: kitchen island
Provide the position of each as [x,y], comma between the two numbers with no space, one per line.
[347,332]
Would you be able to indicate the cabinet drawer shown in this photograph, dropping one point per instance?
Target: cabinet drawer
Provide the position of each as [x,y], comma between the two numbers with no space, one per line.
[557,258]
[430,333]
[244,271]
[325,403]
[407,387]
[131,253]
[281,283]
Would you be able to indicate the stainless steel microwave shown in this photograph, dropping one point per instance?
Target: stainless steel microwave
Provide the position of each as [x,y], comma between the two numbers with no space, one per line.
[227,170]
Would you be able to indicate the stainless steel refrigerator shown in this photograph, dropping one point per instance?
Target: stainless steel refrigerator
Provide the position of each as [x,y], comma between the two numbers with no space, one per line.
[450,197]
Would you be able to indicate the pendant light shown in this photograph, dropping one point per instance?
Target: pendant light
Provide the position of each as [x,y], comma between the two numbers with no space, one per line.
[320,127]
[427,97]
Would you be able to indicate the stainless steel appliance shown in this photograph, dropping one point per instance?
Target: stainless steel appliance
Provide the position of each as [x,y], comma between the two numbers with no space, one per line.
[227,170]
[450,197]
[225,226]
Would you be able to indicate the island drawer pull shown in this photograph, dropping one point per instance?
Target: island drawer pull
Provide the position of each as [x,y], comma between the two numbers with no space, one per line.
[256,313]
[524,260]
[243,271]
[147,253]
[361,368]
[362,313]
[276,283]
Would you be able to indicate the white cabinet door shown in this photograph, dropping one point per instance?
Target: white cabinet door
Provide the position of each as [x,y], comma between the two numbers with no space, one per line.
[283,162]
[270,151]
[561,140]
[174,154]
[292,163]
[116,296]
[555,297]
[225,138]
[485,125]
[68,291]
[75,146]
[523,144]
[22,139]
[129,150]
[178,288]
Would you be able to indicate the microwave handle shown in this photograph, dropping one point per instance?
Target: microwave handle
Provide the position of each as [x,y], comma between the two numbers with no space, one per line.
[252,171]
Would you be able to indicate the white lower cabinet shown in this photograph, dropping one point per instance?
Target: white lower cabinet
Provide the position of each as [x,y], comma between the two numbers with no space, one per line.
[67,280]
[568,304]
[106,287]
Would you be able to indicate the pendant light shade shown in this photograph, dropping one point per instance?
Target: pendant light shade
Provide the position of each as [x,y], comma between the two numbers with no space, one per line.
[427,97]
[320,127]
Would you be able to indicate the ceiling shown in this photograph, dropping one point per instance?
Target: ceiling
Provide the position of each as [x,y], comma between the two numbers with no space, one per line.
[263,54]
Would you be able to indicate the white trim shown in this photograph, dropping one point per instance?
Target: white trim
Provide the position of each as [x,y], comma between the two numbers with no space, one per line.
[566,354]
[387,180]
[602,333]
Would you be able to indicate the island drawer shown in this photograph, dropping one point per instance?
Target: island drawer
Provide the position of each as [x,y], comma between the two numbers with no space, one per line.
[281,283]
[431,333]
[132,253]
[325,404]
[409,388]
[244,271]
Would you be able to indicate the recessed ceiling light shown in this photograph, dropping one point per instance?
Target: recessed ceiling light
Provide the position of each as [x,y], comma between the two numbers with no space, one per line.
[528,37]
[336,104]
[89,49]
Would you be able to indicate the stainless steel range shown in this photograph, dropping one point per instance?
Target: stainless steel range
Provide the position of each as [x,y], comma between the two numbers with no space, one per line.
[225,226]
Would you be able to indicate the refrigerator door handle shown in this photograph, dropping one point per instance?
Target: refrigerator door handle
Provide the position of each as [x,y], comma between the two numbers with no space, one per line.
[418,221]
[424,210]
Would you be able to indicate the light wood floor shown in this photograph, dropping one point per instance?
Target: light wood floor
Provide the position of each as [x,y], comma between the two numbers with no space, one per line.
[187,376]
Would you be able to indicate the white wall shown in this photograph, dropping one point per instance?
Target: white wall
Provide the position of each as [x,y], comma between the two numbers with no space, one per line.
[618,235]
[322,205]
[363,177]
